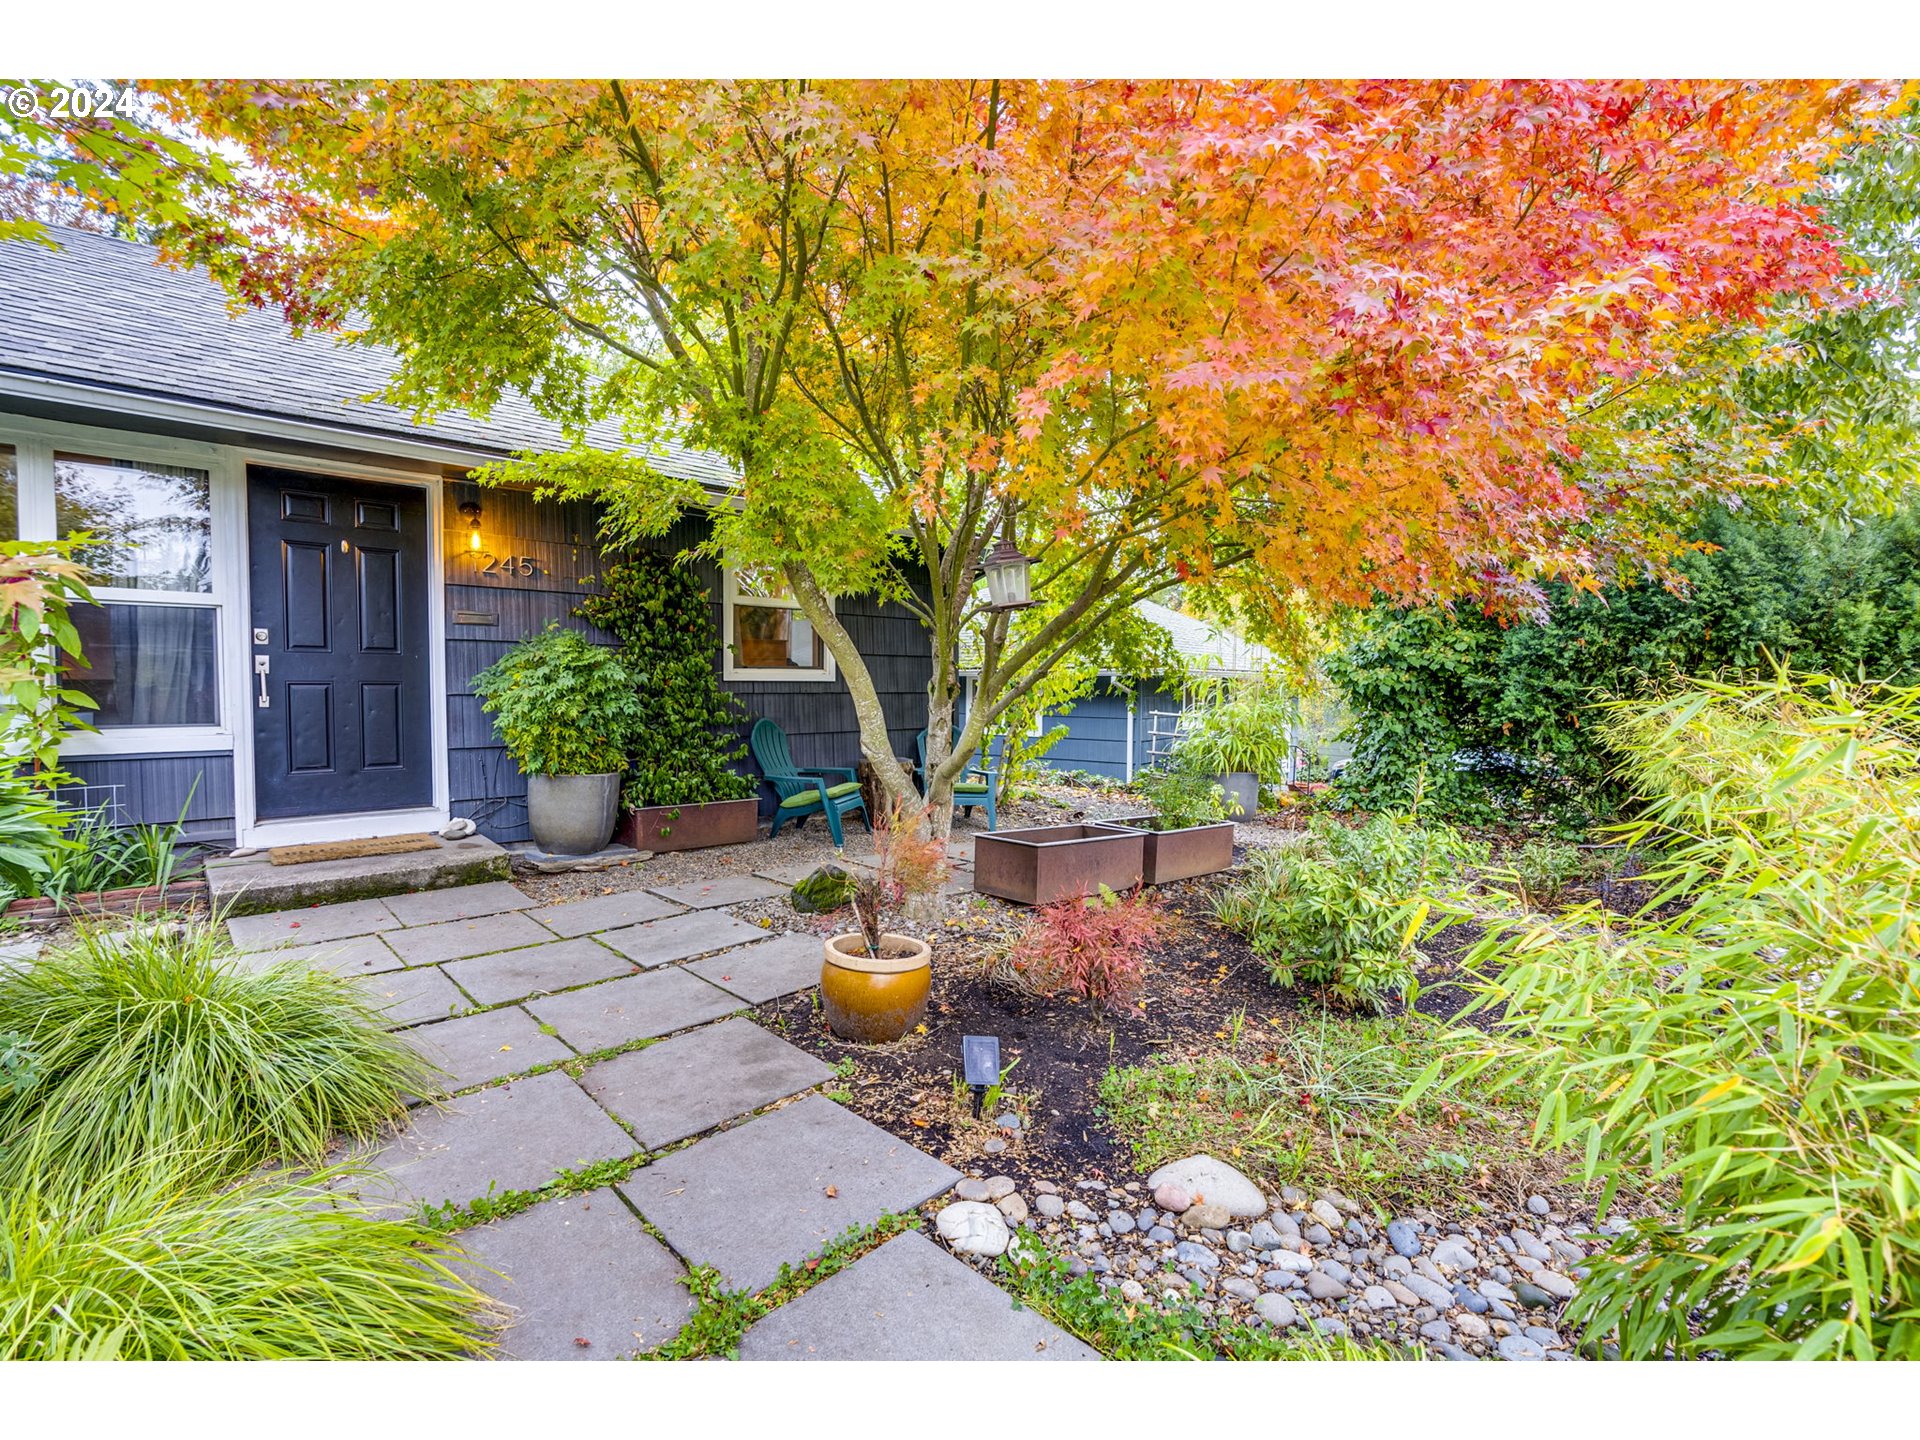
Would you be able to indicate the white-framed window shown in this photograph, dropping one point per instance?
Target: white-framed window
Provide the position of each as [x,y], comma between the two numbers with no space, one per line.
[765,635]
[163,582]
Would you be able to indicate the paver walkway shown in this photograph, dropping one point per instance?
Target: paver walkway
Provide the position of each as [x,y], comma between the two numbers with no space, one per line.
[640,993]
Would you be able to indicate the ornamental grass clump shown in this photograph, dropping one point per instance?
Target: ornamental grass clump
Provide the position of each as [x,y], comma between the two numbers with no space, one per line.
[148,1262]
[159,1040]
[1754,1049]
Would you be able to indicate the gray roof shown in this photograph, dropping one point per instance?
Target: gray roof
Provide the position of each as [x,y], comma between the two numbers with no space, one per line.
[1218,649]
[104,313]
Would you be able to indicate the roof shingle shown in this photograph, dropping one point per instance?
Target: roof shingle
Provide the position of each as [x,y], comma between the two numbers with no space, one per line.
[103,312]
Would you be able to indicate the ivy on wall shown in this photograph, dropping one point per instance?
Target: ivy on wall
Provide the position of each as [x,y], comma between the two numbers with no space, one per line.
[686,742]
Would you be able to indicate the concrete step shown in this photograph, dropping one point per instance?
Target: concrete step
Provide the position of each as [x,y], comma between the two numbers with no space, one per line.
[252,884]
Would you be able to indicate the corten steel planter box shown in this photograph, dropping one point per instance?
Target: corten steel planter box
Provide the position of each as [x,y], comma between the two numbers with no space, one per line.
[1180,854]
[1045,863]
[690,827]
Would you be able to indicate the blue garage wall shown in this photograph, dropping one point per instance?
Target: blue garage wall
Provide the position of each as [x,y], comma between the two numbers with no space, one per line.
[1096,737]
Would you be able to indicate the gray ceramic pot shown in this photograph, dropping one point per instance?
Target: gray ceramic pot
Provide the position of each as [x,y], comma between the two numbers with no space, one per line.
[572,814]
[1243,788]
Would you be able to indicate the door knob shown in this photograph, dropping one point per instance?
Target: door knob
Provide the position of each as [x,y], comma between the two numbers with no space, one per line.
[261,665]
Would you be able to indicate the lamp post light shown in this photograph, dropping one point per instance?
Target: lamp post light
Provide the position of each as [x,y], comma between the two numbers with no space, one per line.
[1009,577]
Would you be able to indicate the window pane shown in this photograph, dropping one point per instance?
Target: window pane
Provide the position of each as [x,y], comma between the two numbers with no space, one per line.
[9,494]
[154,522]
[761,583]
[147,664]
[766,638]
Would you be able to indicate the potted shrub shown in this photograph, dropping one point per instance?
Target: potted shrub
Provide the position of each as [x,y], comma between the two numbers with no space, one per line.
[565,708]
[874,983]
[682,792]
[1189,833]
[1239,733]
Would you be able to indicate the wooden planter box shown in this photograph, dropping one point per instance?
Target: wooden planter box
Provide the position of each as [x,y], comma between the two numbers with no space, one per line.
[1180,854]
[128,900]
[1046,863]
[689,827]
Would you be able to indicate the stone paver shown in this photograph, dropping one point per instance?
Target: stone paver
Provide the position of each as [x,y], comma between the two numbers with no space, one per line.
[692,1082]
[19,950]
[763,972]
[477,1048]
[681,936]
[462,902]
[727,890]
[408,997]
[579,1268]
[457,939]
[537,970]
[605,912]
[360,955]
[908,1300]
[748,1199]
[513,1136]
[311,926]
[636,1008]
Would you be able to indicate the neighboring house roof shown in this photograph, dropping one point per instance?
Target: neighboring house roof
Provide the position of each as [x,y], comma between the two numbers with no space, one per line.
[1218,649]
[1205,645]
[101,313]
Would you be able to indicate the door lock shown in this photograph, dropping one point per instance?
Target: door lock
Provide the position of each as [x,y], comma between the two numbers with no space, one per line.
[259,636]
[261,665]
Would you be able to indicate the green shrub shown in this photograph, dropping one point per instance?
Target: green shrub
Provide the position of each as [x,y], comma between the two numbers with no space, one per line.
[1543,869]
[1182,795]
[31,836]
[150,1263]
[156,1039]
[685,737]
[561,704]
[1341,910]
[1239,726]
[1754,1051]
[1515,697]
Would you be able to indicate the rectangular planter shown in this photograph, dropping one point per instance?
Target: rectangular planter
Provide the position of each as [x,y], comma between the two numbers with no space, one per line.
[690,827]
[1180,854]
[1046,863]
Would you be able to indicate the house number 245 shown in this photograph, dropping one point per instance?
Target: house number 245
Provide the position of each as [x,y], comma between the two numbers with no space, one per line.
[513,566]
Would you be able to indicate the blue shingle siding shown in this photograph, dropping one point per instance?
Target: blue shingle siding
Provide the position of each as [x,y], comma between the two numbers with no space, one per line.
[1096,736]
[151,789]
[818,716]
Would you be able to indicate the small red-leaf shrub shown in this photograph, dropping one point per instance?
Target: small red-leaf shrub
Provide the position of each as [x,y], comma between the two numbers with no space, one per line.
[1091,948]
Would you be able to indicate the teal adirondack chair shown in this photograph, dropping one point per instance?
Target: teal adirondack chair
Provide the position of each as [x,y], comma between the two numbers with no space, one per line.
[804,790]
[973,790]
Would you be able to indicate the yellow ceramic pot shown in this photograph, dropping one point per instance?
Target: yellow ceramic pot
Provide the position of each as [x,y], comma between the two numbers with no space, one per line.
[876,998]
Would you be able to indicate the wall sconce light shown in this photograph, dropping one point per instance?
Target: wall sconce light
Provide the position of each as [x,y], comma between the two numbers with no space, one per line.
[471,510]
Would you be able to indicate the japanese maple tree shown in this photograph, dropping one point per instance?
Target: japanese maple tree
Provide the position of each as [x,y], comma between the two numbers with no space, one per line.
[1275,340]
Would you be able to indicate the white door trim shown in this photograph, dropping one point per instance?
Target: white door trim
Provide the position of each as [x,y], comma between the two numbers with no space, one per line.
[353,825]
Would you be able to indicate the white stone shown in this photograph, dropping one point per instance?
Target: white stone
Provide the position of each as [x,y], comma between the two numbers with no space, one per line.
[1215,1182]
[458,829]
[973,1228]
[1324,1212]
[1291,1262]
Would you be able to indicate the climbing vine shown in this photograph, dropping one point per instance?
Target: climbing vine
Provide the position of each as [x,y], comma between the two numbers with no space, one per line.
[687,739]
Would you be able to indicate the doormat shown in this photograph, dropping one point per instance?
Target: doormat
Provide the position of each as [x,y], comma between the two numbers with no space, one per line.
[350,849]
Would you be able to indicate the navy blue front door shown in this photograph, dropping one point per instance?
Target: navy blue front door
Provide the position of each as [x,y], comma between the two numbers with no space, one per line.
[342,688]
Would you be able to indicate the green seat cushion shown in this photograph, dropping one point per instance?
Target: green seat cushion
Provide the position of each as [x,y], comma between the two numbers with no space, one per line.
[970,787]
[812,797]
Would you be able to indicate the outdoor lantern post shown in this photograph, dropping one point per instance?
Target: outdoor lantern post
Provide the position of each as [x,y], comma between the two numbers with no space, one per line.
[1009,577]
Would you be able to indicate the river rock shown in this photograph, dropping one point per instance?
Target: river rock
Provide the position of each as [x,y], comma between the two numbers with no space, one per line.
[1172,1197]
[1189,1252]
[1403,1238]
[1322,1286]
[1214,1181]
[1013,1207]
[973,1228]
[1531,1296]
[1378,1297]
[1276,1310]
[1456,1253]
[1051,1206]
[1206,1216]
[1555,1284]
[1537,1204]
[1429,1293]
[1519,1347]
